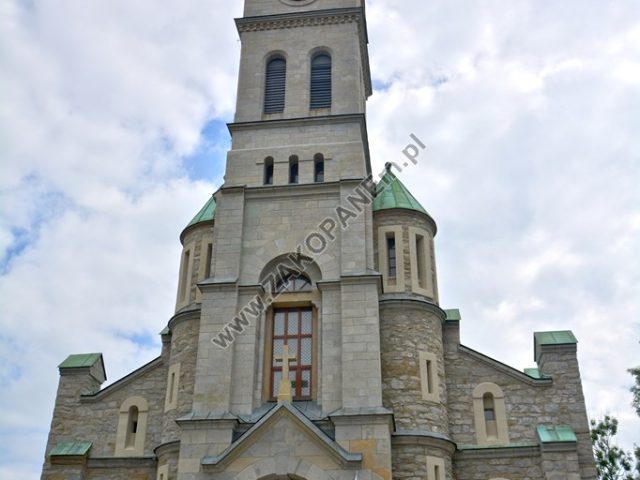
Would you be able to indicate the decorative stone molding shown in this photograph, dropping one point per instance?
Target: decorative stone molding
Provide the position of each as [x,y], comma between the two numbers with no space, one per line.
[307,18]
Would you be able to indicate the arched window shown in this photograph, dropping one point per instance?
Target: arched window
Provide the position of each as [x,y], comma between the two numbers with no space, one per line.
[321,81]
[268,171]
[293,169]
[132,427]
[490,415]
[274,88]
[318,168]
[293,282]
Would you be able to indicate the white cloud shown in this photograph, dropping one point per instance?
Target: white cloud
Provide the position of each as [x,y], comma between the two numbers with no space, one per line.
[528,109]
[534,130]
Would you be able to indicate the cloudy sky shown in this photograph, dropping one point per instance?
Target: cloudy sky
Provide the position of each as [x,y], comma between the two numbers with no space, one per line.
[113,135]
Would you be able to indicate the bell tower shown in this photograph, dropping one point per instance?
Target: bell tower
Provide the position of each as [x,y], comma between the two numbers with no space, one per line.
[299,152]
[303,83]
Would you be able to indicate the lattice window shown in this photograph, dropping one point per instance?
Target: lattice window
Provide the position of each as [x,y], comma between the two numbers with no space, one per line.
[293,327]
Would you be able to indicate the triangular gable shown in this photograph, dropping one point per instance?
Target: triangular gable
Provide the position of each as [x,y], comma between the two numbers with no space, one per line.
[283,415]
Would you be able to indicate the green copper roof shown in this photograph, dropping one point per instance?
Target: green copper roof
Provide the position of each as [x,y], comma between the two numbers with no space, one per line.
[81,360]
[453,314]
[559,433]
[532,372]
[206,213]
[70,449]
[391,193]
[564,337]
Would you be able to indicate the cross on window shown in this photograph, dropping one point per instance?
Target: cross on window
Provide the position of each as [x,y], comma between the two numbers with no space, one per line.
[293,328]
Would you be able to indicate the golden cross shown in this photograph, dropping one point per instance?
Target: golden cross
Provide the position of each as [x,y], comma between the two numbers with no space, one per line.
[284,394]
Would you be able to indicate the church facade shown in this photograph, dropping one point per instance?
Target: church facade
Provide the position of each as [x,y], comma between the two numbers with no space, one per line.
[308,341]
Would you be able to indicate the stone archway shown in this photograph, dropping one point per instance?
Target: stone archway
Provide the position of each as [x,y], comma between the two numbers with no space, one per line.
[283,468]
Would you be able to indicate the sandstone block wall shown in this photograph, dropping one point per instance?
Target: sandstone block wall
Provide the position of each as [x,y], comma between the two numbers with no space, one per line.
[406,330]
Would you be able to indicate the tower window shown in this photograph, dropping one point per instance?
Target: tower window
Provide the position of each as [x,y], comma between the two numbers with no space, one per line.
[275,86]
[429,382]
[429,367]
[173,383]
[268,171]
[207,264]
[184,279]
[435,468]
[391,255]
[318,168]
[293,169]
[321,81]
[293,327]
[421,262]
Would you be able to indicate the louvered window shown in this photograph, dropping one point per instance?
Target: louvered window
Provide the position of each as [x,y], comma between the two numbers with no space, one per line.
[275,86]
[321,81]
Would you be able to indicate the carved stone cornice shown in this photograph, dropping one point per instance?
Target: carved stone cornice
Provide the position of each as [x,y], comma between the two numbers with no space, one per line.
[299,19]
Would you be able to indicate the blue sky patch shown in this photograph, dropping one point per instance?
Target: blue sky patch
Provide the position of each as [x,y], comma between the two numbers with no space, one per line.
[208,160]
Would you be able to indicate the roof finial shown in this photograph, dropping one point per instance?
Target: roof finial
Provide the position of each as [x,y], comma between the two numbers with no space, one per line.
[387,166]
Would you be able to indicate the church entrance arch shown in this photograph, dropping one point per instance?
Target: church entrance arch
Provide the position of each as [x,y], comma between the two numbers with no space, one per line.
[274,469]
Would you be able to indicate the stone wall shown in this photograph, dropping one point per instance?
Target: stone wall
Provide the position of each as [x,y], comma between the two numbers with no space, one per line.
[95,419]
[184,350]
[511,464]
[410,458]
[529,402]
[408,328]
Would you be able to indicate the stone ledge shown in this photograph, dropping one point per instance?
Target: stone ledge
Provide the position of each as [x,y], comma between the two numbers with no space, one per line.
[122,462]
[505,451]
[190,312]
[165,448]
[424,438]
[321,190]
[403,300]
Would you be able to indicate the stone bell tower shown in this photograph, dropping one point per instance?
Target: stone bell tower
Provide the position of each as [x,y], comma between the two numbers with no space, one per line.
[299,151]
